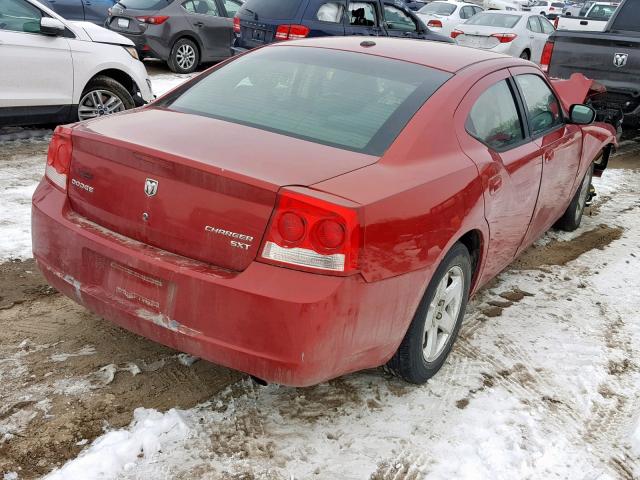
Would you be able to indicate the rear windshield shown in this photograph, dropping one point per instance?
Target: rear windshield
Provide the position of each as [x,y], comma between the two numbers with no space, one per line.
[494,20]
[602,11]
[272,9]
[436,8]
[557,5]
[343,99]
[144,4]
[628,19]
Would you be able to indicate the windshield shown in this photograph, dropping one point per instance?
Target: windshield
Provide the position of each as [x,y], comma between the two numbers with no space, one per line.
[494,20]
[343,99]
[438,8]
[143,4]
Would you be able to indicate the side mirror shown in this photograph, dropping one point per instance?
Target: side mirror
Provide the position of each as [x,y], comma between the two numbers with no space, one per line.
[582,114]
[51,26]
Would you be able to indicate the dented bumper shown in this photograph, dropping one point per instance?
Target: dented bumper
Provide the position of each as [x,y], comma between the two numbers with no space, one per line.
[281,325]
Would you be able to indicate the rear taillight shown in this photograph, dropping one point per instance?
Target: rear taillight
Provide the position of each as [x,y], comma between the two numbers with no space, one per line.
[153,19]
[291,32]
[313,234]
[545,59]
[434,24]
[505,37]
[455,33]
[236,24]
[59,157]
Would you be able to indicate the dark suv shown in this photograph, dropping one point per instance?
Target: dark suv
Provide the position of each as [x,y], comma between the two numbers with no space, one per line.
[263,21]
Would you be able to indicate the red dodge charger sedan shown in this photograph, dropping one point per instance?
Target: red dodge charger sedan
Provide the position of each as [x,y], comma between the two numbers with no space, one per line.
[315,207]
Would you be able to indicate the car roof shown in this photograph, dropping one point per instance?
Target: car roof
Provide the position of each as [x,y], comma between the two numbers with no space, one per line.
[448,57]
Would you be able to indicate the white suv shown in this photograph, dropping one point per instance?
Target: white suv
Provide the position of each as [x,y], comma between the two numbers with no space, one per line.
[56,71]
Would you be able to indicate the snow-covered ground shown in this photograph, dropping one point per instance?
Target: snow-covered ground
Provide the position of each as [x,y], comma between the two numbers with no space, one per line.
[22,168]
[549,389]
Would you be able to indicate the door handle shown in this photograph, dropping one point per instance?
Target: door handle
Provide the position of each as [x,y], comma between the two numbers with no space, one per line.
[495,183]
[198,24]
[548,156]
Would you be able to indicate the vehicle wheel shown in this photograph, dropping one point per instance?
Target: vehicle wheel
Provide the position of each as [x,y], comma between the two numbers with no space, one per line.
[184,56]
[572,217]
[437,320]
[103,96]
[525,55]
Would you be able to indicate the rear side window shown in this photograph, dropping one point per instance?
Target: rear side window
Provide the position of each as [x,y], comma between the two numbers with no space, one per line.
[232,7]
[494,20]
[343,99]
[202,7]
[494,118]
[330,12]
[467,12]
[543,108]
[362,14]
[628,19]
[273,9]
[144,4]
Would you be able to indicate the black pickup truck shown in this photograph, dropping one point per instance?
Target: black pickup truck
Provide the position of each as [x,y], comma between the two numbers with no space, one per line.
[611,57]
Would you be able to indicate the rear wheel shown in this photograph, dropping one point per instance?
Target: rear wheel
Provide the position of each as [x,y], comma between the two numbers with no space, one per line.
[184,56]
[435,325]
[103,96]
[525,55]
[572,216]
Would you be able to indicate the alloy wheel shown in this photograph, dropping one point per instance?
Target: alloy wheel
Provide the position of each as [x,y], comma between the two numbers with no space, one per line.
[443,313]
[185,56]
[97,103]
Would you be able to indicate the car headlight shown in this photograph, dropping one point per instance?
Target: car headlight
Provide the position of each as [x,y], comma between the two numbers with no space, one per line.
[132,51]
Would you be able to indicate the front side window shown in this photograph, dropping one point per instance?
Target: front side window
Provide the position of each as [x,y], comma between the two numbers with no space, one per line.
[494,118]
[362,14]
[330,12]
[232,7]
[19,16]
[343,99]
[396,19]
[547,27]
[202,7]
[543,108]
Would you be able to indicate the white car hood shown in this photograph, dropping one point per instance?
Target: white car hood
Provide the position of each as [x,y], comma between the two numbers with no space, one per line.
[102,35]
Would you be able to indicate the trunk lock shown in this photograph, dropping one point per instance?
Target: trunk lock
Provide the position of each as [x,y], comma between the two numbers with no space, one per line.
[145,217]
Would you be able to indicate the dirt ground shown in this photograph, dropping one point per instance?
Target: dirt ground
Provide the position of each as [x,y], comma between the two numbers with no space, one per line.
[89,374]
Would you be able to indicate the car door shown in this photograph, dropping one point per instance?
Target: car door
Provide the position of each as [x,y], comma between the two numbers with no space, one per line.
[399,23]
[214,30]
[492,131]
[37,72]
[559,144]
[68,9]
[96,10]
[537,38]
[363,18]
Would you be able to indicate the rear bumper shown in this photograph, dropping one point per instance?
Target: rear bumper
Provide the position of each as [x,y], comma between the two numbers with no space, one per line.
[148,46]
[281,325]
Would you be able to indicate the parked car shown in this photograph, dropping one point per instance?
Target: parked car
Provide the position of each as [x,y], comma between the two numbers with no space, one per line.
[315,207]
[55,71]
[94,11]
[259,22]
[595,18]
[183,33]
[547,8]
[611,57]
[443,16]
[519,34]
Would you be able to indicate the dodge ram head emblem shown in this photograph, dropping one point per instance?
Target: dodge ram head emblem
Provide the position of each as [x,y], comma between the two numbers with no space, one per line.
[150,187]
[620,59]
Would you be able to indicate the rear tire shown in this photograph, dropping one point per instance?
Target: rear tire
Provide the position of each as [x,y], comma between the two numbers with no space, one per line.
[103,96]
[184,56]
[525,55]
[436,323]
[572,216]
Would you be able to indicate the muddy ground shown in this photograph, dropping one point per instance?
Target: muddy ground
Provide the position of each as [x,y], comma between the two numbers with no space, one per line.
[89,375]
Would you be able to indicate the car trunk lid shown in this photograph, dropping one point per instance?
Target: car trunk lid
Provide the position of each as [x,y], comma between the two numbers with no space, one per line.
[479,36]
[191,185]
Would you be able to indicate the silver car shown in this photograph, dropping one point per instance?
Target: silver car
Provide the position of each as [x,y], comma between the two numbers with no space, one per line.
[519,34]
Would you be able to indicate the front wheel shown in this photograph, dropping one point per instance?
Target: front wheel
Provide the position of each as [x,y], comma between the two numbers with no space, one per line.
[572,216]
[103,96]
[436,323]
